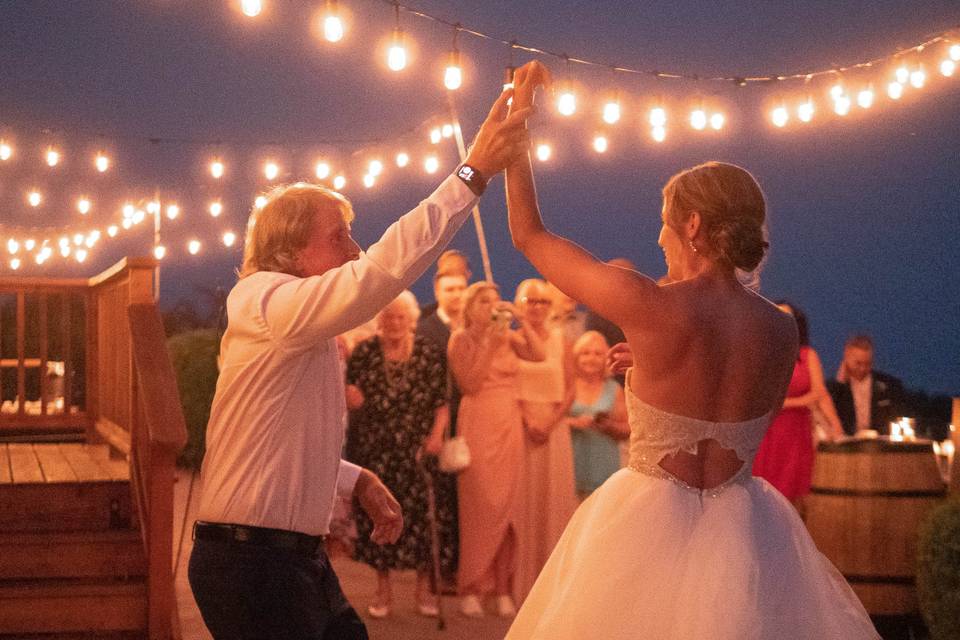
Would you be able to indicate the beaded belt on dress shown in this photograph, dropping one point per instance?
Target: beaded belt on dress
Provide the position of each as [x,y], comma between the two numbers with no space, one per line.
[657,471]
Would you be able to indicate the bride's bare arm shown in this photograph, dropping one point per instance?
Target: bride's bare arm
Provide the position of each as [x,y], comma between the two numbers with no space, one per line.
[623,296]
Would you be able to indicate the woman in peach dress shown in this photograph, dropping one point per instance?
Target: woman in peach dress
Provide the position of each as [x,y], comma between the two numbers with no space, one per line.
[485,358]
[548,487]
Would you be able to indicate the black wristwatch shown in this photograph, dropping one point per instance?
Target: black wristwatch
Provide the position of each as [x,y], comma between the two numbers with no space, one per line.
[473,179]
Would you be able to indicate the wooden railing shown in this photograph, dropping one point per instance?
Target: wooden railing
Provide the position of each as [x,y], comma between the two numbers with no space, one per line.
[128,390]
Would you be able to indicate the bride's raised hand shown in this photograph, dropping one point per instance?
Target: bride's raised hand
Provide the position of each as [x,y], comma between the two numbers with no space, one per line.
[526,79]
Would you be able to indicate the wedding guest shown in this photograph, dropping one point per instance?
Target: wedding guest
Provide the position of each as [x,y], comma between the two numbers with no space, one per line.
[865,398]
[485,358]
[546,389]
[450,263]
[400,383]
[567,314]
[272,464]
[786,454]
[597,417]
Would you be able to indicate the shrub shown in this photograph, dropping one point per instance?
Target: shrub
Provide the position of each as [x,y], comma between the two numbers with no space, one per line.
[194,356]
[938,571]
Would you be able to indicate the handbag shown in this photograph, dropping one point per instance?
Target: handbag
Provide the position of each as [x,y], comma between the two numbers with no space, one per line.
[454,454]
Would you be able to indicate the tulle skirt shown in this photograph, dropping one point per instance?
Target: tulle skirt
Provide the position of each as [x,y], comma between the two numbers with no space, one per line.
[644,557]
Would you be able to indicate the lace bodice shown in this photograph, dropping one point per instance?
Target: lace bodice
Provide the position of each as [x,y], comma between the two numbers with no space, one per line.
[655,434]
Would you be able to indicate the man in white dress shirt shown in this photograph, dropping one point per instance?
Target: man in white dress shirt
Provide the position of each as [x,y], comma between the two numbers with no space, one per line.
[272,466]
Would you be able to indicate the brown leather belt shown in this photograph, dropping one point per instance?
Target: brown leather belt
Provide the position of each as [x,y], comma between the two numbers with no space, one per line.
[260,536]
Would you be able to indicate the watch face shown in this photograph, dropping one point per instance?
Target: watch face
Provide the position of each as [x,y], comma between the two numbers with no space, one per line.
[466,173]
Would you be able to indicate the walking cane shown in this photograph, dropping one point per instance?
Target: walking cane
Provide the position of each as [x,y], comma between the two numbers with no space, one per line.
[434,539]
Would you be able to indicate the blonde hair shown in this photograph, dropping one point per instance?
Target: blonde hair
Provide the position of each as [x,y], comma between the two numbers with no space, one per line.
[532,282]
[470,297]
[278,231]
[408,300]
[731,207]
[586,338]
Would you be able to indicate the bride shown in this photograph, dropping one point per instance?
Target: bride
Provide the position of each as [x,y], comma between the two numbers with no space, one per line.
[684,544]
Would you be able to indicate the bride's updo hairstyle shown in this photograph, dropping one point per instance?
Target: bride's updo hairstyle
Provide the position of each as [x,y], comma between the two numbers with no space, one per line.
[731,207]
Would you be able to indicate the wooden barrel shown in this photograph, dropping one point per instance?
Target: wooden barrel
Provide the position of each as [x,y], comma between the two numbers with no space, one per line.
[867,500]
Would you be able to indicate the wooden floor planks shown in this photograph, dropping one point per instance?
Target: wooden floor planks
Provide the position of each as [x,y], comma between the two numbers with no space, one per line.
[39,463]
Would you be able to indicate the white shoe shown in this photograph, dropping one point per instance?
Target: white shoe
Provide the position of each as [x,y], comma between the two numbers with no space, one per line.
[428,610]
[470,606]
[378,611]
[505,607]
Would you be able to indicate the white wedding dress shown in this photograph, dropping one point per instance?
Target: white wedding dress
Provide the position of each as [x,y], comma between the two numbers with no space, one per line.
[650,557]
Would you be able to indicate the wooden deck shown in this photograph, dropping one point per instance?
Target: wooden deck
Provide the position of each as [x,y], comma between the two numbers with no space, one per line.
[36,463]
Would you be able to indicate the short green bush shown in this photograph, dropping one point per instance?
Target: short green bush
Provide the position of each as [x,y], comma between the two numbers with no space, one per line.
[194,356]
[938,571]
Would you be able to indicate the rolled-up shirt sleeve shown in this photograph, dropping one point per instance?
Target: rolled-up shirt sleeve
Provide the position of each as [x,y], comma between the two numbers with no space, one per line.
[300,311]
[347,478]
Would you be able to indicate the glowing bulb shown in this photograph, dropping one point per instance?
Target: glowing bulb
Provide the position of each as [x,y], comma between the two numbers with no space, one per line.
[446,130]
[567,103]
[658,117]
[611,112]
[805,111]
[375,168]
[955,52]
[717,121]
[216,208]
[903,74]
[102,163]
[216,169]
[332,24]
[83,206]
[78,239]
[600,144]
[453,74]
[947,67]
[15,263]
[29,244]
[34,198]
[431,164]
[159,252]
[260,202]
[80,255]
[251,8]
[65,250]
[435,135]
[172,211]
[836,91]
[865,98]
[322,170]
[403,159]
[658,133]
[544,152]
[138,216]
[895,90]
[917,78]
[193,247]
[153,207]
[90,241]
[368,180]
[339,183]
[128,210]
[13,246]
[53,157]
[397,53]
[229,238]
[698,119]
[780,116]
[112,231]
[271,170]
[842,105]
[6,151]
[127,223]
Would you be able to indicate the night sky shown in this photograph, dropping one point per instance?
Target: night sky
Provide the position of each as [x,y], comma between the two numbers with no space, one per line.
[864,210]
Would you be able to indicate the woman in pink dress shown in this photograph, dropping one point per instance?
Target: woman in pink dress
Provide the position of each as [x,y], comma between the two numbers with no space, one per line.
[485,358]
[785,458]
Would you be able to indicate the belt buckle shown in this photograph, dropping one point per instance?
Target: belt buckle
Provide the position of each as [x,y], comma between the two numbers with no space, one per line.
[241,534]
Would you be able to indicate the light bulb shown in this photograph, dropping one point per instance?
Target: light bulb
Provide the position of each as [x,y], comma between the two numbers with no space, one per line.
[842,105]
[83,206]
[805,111]
[611,112]
[453,74]
[153,207]
[658,117]
[658,133]
[80,255]
[322,170]
[193,247]
[332,24]
[34,198]
[836,91]
[446,130]
[216,169]
[159,252]
[112,231]
[128,210]
[127,223]
[698,119]
[13,246]
[6,151]
[600,144]
[717,120]
[172,211]
[53,157]
[567,103]
[397,53]
[216,208]
[229,238]
[865,98]
[251,8]
[29,244]
[368,180]
[947,67]
[78,239]
[403,159]
[902,74]
[955,52]
[780,116]
[260,201]
[339,183]
[431,164]
[544,152]
[15,263]
[138,216]
[65,250]
[271,170]
[102,163]
[375,168]
[435,135]
[917,78]
[895,90]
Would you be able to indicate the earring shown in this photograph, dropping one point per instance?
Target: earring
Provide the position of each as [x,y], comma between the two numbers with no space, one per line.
[693,247]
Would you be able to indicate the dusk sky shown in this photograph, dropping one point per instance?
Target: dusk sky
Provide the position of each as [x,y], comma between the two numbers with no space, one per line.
[864,210]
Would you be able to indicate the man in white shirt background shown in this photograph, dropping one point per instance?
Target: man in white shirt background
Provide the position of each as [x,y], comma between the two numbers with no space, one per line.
[272,466]
[864,398]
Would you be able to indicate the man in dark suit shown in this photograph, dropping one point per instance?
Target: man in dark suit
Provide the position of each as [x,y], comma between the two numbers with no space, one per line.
[864,398]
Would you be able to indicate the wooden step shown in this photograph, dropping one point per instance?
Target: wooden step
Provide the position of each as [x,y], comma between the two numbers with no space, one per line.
[62,487]
[79,554]
[72,606]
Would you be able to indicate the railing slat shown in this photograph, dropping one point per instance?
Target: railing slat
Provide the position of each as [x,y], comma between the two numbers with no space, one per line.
[42,337]
[21,370]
